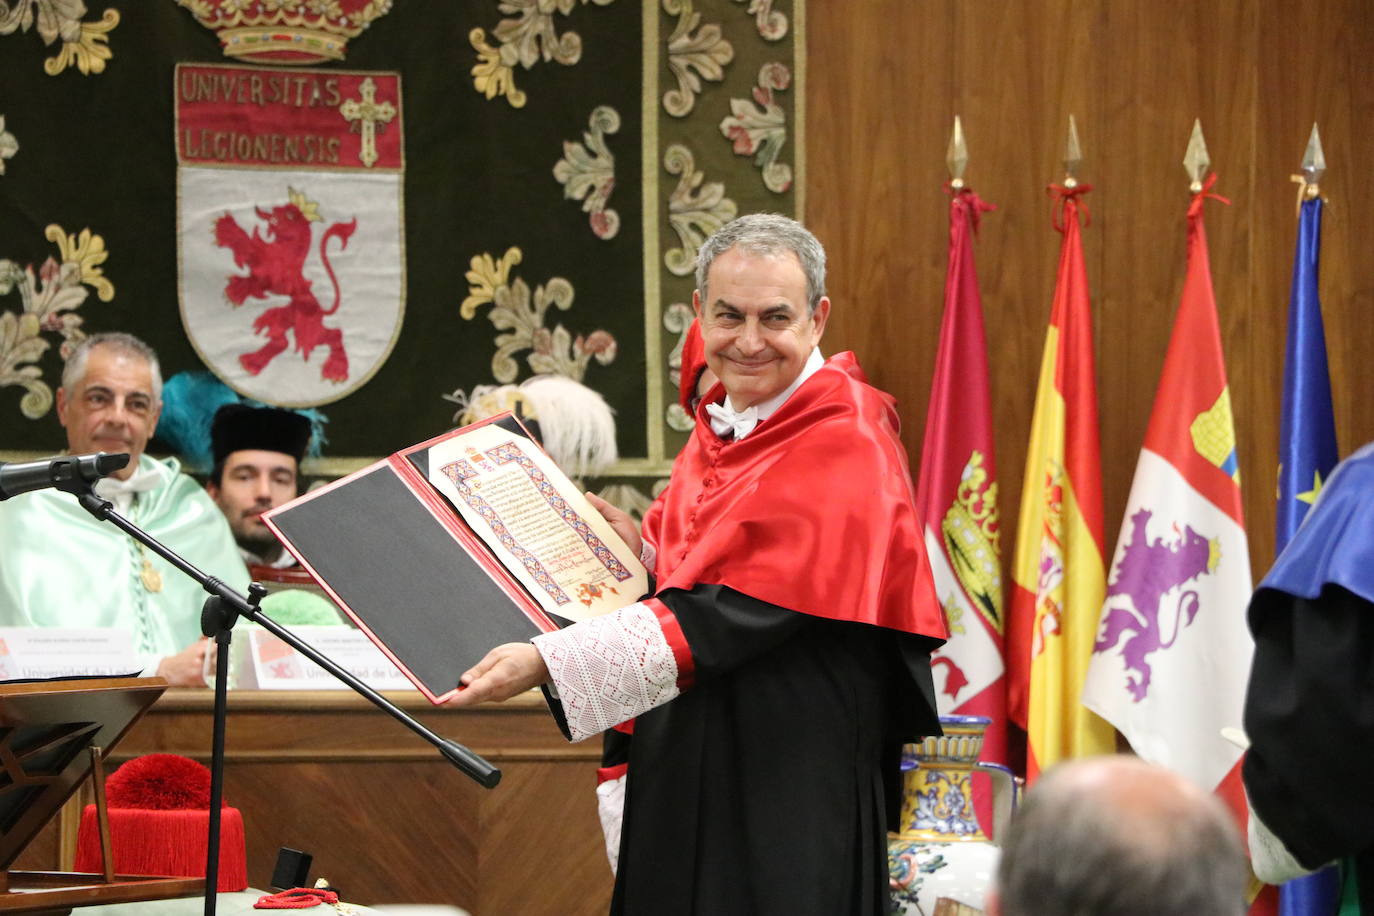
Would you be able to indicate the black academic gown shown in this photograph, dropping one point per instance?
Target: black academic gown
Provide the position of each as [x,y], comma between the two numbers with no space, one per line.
[1309,713]
[766,787]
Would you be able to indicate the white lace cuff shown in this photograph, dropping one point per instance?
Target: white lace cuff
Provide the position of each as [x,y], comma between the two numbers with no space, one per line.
[609,669]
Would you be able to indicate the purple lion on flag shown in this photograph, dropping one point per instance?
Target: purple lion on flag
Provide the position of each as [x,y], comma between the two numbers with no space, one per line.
[1148,571]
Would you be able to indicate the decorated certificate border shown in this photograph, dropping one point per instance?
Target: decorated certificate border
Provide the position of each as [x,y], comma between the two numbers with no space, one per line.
[541,528]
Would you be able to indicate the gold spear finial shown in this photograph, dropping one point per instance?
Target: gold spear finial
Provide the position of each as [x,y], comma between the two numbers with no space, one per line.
[956,156]
[1196,159]
[1313,162]
[1073,155]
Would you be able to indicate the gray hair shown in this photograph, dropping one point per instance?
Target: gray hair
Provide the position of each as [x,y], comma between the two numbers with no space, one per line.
[766,235]
[1118,836]
[127,344]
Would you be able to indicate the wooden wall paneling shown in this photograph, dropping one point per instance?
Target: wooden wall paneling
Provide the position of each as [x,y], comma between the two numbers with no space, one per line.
[1227,100]
[1020,75]
[414,844]
[880,113]
[886,79]
[386,819]
[535,840]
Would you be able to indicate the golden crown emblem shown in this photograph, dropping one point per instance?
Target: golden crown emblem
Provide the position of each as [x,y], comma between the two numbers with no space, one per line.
[286,31]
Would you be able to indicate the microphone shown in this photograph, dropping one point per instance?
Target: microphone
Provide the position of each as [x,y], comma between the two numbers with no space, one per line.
[21,477]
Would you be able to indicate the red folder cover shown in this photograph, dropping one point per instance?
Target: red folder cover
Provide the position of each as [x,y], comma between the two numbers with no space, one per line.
[382,541]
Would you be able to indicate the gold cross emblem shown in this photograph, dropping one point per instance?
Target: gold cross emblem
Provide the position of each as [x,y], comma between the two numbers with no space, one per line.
[366,113]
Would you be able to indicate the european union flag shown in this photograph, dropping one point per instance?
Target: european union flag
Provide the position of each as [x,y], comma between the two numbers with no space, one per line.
[1307,437]
[1307,453]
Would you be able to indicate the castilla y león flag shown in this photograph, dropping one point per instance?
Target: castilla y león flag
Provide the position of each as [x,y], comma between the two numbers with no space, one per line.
[1059,573]
[290,230]
[956,496]
[1172,653]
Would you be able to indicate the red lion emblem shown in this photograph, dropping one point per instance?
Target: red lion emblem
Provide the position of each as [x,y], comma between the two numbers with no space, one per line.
[276,266]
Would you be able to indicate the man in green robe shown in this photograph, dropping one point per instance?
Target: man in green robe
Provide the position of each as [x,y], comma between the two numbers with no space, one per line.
[60,567]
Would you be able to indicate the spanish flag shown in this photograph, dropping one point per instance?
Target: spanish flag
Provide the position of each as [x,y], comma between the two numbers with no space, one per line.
[1058,571]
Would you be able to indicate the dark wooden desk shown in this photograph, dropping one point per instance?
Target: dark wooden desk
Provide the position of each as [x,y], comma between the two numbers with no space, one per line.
[386,818]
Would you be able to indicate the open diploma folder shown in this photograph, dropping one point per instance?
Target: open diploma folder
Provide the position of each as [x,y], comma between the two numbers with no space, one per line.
[446,549]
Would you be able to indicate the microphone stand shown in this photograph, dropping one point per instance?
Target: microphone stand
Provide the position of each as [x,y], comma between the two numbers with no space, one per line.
[221,611]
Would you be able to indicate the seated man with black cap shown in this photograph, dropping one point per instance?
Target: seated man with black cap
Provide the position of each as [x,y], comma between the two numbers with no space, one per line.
[257,452]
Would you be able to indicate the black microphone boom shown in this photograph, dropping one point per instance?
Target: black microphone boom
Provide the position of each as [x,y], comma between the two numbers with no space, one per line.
[24,476]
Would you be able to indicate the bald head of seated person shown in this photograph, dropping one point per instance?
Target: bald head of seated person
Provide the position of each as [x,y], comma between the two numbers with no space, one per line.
[257,452]
[1116,836]
[61,567]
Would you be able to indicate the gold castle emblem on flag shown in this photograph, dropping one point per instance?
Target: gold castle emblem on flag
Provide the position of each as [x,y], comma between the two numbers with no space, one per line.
[971,535]
[1214,435]
[286,31]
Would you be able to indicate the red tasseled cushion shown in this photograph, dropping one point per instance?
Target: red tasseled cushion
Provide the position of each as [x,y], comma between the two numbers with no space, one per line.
[159,782]
[160,823]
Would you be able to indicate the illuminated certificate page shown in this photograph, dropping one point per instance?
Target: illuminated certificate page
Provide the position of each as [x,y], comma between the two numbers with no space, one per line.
[537,523]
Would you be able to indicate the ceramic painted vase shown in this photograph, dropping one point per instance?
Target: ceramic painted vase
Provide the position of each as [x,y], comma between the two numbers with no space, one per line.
[940,849]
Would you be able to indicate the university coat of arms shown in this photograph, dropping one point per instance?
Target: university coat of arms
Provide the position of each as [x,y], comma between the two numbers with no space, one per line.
[290,226]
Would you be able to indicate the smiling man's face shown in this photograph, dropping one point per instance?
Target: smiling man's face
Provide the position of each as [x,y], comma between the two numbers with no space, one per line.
[755,324]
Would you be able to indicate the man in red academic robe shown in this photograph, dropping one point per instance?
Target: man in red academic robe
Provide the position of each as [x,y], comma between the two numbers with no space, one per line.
[783,656]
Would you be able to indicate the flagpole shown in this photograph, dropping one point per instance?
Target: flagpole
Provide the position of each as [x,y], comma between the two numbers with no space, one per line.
[1307,446]
[956,155]
[956,491]
[1312,168]
[1058,567]
[1195,159]
[1073,155]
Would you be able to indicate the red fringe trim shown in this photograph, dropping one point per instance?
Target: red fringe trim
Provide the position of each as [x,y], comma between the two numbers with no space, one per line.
[168,843]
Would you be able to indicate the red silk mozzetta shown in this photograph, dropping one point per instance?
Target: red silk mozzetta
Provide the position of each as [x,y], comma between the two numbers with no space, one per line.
[813,511]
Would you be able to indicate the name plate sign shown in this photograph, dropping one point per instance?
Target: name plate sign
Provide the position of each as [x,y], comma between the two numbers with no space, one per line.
[46,652]
[273,665]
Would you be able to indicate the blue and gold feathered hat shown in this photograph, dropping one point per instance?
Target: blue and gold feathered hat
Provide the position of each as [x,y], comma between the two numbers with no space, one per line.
[190,401]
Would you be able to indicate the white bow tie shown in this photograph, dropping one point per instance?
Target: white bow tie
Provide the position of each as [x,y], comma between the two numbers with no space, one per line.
[725,419]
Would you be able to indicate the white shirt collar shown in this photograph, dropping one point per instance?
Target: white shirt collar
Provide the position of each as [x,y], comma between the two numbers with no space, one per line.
[769,407]
[725,419]
[147,476]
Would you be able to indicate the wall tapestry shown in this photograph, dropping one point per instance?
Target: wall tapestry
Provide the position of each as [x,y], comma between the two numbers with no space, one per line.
[380,209]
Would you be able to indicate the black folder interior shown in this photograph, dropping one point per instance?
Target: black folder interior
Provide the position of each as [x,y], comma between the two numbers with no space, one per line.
[404,576]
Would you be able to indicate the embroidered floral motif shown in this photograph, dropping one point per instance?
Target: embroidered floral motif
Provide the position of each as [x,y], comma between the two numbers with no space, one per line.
[523,40]
[694,210]
[50,300]
[8,145]
[694,54]
[587,172]
[677,318]
[609,669]
[84,44]
[772,25]
[762,133]
[554,351]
